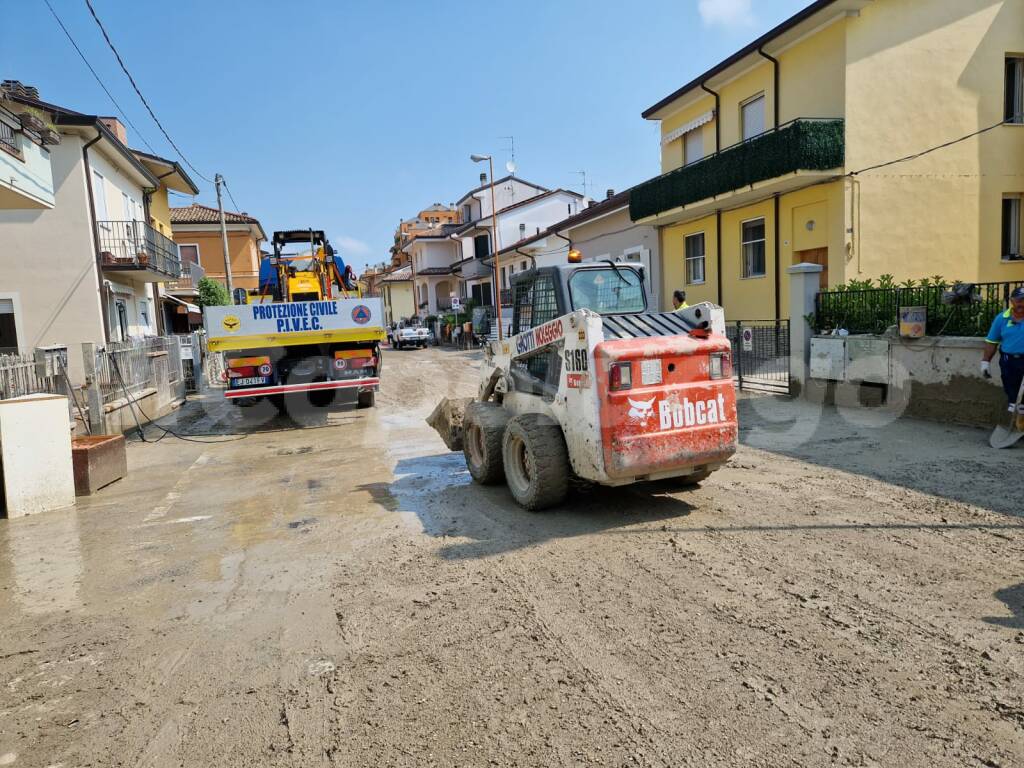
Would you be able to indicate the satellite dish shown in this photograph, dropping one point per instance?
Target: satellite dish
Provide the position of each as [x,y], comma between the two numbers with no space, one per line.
[510,166]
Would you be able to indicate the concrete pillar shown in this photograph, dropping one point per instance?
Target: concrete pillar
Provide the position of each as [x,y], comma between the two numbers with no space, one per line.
[803,288]
[93,396]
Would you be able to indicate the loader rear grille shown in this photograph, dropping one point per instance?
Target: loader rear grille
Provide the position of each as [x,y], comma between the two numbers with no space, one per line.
[647,324]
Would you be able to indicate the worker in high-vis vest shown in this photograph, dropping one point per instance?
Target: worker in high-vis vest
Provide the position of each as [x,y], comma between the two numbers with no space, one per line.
[679,301]
[1007,337]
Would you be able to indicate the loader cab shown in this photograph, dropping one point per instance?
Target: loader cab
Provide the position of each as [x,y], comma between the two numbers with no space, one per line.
[541,294]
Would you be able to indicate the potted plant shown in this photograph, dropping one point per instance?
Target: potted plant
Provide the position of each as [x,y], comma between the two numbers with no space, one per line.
[31,121]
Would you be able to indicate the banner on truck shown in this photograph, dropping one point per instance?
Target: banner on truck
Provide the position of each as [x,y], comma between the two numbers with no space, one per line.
[292,317]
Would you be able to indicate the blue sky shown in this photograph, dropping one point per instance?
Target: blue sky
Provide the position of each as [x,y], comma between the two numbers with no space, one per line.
[350,115]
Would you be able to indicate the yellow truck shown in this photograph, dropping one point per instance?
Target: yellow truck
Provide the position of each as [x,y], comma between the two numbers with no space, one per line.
[306,330]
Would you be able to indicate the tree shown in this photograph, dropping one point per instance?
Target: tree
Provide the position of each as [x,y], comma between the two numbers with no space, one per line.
[212,293]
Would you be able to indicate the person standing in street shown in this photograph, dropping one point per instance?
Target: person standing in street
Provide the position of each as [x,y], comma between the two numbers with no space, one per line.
[1007,337]
[679,301]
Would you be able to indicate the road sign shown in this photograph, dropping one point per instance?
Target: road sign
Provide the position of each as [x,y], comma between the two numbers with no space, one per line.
[456,302]
[748,339]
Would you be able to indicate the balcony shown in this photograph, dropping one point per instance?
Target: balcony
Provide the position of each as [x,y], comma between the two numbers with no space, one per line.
[801,152]
[137,252]
[26,178]
[192,273]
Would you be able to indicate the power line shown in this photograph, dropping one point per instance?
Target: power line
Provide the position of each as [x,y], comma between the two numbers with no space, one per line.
[1012,119]
[149,109]
[225,183]
[98,80]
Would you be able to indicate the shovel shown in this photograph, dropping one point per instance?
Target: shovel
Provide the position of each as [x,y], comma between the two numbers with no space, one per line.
[1004,437]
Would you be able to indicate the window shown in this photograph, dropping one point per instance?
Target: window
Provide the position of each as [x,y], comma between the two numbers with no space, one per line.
[1014,111]
[467,213]
[752,117]
[693,146]
[753,248]
[607,291]
[523,266]
[481,246]
[144,313]
[1011,227]
[8,328]
[189,253]
[99,196]
[694,248]
[504,281]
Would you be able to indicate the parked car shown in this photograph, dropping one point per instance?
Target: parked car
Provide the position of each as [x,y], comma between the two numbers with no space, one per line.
[408,334]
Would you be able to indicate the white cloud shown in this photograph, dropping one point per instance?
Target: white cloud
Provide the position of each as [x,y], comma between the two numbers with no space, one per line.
[726,13]
[351,246]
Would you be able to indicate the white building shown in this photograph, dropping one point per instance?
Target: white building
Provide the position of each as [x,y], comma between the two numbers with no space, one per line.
[601,231]
[85,269]
[451,262]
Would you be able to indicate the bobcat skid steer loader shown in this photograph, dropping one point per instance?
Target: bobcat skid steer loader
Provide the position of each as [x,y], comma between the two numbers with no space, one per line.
[593,385]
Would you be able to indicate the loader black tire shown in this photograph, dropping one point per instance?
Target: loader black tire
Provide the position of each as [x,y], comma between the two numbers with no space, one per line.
[483,427]
[536,461]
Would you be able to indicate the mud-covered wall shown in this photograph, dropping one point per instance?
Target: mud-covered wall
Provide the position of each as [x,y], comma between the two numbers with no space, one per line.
[939,379]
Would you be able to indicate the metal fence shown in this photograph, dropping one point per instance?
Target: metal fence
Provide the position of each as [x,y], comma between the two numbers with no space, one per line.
[760,354]
[125,368]
[18,377]
[873,310]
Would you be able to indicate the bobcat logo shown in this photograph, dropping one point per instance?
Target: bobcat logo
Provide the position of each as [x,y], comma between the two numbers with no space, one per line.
[641,410]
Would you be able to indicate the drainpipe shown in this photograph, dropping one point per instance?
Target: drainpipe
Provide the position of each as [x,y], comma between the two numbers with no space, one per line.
[718,122]
[778,262]
[96,238]
[775,84]
[718,254]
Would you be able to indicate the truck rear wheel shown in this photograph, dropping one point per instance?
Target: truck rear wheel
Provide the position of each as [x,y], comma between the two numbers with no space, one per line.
[365,399]
[536,461]
[482,432]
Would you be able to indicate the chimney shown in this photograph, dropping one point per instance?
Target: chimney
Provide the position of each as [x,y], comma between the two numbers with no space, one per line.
[483,178]
[116,128]
[609,194]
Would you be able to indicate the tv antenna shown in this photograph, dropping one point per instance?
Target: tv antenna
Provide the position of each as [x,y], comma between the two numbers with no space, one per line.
[510,166]
[583,177]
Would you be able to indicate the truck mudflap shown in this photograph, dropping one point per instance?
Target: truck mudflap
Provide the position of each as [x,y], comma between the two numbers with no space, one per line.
[673,417]
[366,384]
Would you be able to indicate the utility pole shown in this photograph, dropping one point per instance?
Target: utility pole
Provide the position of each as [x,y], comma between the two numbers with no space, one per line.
[218,180]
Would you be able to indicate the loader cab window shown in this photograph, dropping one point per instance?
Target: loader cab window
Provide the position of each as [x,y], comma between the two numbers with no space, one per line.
[611,291]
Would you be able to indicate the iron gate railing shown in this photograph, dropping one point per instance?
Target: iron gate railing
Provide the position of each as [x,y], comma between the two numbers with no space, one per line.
[760,354]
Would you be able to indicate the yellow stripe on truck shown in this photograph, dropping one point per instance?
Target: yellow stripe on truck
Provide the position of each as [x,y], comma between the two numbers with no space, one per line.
[228,343]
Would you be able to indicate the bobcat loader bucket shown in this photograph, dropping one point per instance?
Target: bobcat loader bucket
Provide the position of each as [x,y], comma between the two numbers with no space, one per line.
[447,418]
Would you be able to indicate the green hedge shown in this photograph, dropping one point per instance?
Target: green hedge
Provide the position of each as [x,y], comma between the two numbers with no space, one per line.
[809,145]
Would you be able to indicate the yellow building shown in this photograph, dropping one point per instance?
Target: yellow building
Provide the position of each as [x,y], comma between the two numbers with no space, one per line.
[396,294]
[196,230]
[765,156]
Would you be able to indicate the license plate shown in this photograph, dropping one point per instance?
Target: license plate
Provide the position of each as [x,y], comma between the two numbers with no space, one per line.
[251,381]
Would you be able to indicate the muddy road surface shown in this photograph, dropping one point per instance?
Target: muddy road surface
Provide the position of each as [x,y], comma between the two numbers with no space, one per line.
[337,593]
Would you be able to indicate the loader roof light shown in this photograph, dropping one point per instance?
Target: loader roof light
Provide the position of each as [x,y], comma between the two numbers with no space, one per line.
[620,376]
[575,257]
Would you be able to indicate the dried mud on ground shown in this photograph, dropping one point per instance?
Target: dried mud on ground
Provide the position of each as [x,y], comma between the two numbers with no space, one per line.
[845,592]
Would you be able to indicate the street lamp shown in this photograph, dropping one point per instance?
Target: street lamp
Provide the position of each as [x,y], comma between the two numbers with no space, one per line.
[494,228]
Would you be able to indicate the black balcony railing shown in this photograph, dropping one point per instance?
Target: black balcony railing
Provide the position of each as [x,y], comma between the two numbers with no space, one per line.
[8,140]
[136,245]
[805,144]
[873,310]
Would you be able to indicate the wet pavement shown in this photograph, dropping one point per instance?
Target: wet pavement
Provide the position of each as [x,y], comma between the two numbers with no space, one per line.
[330,589]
